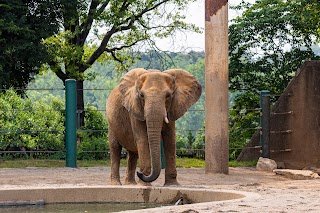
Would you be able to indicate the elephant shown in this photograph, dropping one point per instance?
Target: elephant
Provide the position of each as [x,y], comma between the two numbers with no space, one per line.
[141,111]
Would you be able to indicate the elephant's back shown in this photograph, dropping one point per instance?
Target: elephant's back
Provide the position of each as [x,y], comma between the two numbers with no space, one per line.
[113,101]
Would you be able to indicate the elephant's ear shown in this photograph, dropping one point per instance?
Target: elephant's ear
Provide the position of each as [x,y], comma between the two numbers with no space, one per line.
[129,92]
[187,92]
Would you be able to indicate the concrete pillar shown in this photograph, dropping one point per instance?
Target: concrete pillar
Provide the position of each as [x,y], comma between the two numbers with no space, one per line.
[216,86]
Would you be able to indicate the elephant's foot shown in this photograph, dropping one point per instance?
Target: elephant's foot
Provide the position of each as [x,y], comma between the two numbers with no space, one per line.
[142,183]
[115,181]
[173,182]
[130,182]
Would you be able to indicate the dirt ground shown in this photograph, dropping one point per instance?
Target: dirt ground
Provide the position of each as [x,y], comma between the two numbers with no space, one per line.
[276,193]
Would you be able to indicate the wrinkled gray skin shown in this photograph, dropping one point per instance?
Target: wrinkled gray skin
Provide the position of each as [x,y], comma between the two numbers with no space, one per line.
[141,111]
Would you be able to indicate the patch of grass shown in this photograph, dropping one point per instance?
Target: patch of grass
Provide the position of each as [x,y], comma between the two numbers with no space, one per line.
[197,163]
[242,164]
[98,163]
[31,163]
[180,162]
[190,162]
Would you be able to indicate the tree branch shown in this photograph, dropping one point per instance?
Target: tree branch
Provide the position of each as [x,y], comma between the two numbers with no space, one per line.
[116,29]
[63,76]
[149,9]
[86,25]
[123,46]
[103,6]
[94,11]
[115,57]
[136,17]
[95,55]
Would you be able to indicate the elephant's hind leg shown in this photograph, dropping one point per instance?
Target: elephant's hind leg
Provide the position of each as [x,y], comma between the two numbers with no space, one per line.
[131,168]
[115,156]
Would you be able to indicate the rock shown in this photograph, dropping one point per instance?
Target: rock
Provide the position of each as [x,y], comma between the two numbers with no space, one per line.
[312,168]
[190,211]
[266,164]
[297,174]
[281,165]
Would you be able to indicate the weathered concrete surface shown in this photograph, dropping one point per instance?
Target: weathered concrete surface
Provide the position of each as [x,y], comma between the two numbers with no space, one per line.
[294,122]
[297,174]
[277,193]
[125,194]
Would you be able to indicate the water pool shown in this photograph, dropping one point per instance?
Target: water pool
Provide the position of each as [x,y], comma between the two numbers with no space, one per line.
[77,208]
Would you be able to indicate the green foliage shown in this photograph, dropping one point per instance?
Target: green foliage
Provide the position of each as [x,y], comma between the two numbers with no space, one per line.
[23,24]
[127,26]
[65,53]
[93,136]
[185,141]
[267,45]
[30,125]
[118,30]
[95,120]
[199,138]
[27,124]
[243,122]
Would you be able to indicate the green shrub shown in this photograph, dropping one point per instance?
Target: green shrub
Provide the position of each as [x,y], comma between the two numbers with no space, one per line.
[93,136]
[39,125]
[93,148]
[30,125]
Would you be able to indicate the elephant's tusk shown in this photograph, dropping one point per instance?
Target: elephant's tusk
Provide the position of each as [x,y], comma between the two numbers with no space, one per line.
[166,120]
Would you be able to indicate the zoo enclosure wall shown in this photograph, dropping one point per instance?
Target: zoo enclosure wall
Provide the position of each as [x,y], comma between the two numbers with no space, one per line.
[294,122]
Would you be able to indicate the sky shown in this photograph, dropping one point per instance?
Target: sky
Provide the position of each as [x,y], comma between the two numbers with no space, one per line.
[188,41]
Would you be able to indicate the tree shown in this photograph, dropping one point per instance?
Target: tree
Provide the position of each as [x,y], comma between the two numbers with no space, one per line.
[267,45]
[23,24]
[109,30]
[270,42]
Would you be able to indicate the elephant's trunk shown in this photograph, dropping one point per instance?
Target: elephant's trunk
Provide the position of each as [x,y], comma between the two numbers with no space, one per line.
[154,121]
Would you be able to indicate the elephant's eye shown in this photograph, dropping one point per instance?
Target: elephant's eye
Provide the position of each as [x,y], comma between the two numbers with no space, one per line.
[141,95]
[168,95]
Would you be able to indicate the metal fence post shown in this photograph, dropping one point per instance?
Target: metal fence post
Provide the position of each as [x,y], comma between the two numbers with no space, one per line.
[265,123]
[71,123]
[163,159]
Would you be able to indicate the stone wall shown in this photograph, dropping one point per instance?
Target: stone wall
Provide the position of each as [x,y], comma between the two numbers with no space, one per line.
[294,122]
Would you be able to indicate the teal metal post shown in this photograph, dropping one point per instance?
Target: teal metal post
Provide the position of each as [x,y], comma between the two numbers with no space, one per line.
[163,159]
[265,123]
[71,123]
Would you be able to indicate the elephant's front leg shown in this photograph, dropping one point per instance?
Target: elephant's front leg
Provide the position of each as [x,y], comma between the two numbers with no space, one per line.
[131,168]
[169,144]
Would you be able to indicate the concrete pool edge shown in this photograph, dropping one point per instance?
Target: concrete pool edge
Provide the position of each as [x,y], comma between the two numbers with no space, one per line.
[93,194]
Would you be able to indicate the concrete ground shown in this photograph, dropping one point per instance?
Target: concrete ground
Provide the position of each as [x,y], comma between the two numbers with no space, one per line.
[275,193]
